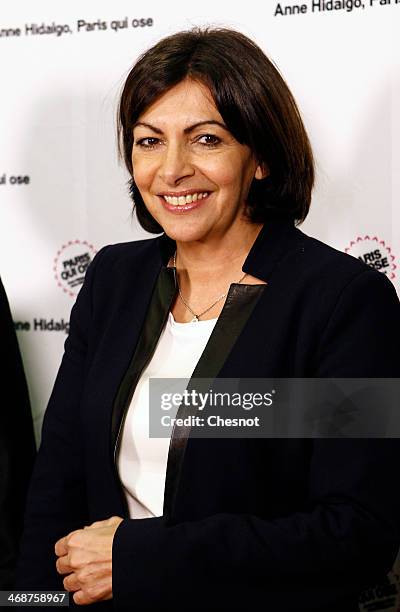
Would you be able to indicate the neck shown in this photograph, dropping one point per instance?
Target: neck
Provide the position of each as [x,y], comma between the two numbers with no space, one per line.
[203,260]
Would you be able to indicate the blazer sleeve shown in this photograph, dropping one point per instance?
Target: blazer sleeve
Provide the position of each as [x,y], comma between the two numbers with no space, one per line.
[56,501]
[348,538]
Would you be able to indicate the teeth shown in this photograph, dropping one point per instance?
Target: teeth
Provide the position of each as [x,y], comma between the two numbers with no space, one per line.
[182,200]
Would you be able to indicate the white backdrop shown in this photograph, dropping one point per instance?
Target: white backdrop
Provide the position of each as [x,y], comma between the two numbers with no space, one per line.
[63,194]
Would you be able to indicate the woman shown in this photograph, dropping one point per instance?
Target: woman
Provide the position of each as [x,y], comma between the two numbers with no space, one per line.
[220,162]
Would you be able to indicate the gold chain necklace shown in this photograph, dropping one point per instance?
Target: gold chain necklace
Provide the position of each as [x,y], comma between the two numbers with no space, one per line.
[196,317]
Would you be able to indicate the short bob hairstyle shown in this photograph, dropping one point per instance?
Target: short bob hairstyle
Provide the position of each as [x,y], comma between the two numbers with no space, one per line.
[251,97]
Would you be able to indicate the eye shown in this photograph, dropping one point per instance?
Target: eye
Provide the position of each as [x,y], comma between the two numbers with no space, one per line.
[208,140]
[147,143]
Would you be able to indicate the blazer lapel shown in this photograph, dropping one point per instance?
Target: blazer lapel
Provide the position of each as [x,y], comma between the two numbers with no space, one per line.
[156,316]
[239,305]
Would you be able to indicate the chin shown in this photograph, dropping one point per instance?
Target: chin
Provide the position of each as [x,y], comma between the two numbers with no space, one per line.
[184,234]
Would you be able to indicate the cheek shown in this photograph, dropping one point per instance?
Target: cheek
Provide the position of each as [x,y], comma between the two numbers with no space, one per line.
[141,175]
[229,172]
[144,169]
[223,175]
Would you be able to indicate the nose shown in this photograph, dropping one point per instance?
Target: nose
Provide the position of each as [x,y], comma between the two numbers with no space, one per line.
[175,164]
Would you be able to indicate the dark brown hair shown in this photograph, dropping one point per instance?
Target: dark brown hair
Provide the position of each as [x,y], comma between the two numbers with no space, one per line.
[251,97]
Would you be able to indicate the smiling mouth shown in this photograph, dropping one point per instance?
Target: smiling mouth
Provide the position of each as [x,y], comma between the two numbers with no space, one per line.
[182,200]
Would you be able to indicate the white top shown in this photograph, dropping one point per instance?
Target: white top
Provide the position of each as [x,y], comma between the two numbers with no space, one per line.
[142,461]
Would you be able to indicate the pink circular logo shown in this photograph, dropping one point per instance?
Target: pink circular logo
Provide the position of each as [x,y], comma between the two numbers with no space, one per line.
[71,263]
[375,253]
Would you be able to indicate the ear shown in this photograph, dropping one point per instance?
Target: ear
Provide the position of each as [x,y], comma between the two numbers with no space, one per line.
[262,172]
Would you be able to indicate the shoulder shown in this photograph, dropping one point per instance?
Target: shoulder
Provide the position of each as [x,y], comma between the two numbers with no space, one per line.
[126,253]
[318,257]
[352,310]
[116,270]
[115,264]
[344,301]
[336,272]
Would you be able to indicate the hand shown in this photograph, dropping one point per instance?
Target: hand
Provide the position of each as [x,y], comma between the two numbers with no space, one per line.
[86,556]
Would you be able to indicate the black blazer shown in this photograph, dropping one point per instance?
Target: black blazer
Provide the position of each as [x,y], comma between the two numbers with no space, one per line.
[17,445]
[265,524]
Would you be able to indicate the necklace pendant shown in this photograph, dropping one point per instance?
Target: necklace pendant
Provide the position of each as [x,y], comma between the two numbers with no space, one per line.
[195,319]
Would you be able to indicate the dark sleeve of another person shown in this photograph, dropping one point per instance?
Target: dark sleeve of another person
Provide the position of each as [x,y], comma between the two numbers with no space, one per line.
[17,445]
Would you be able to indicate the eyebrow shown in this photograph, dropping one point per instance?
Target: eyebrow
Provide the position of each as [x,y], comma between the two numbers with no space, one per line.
[186,130]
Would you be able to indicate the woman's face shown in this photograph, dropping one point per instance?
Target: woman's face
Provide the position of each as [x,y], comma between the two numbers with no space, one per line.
[193,175]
